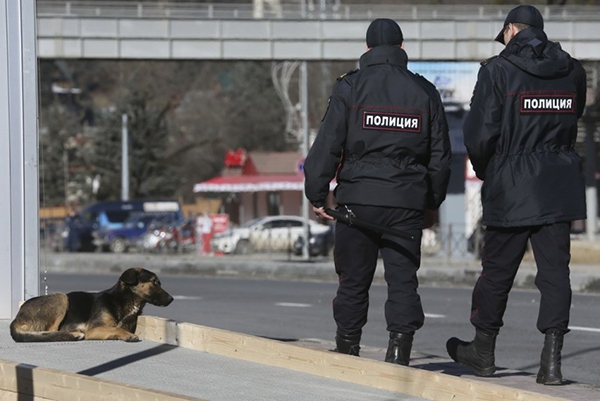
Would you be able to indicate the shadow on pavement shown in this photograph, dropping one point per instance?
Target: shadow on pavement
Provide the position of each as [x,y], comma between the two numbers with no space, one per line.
[126,360]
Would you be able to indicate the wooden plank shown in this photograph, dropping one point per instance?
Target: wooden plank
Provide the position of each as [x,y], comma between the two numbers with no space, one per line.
[406,380]
[43,384]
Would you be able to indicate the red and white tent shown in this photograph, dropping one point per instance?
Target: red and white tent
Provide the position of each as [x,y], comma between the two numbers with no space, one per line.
[252,183]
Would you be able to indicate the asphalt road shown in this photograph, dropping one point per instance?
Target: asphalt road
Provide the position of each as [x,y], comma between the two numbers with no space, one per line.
[301,309]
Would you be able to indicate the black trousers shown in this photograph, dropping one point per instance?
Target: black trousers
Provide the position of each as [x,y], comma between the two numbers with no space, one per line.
[502,254]
[356,253]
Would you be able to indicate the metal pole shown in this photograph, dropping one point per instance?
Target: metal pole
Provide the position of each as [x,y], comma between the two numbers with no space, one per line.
[124,159]
[590,180]
[304,119]
[66,173]
[449,244]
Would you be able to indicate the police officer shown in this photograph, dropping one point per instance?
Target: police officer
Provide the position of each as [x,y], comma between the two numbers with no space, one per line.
[386,137]
[520,136]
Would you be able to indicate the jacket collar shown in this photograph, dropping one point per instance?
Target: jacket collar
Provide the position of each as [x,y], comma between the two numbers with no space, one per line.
[531,41]
[393,55]
[531,51]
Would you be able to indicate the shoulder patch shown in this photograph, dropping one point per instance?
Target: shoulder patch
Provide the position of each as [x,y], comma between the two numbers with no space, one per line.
[347,73]
[487,61]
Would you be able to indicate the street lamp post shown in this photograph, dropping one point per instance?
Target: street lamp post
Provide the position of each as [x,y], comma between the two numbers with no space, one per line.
[124,159]
[304,120]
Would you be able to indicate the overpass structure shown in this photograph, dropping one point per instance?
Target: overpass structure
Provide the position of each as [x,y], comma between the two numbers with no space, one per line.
[294,31]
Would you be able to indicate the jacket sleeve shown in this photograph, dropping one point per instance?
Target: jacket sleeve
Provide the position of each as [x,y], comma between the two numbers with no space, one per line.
[325,154]
[481,128]
[438,169]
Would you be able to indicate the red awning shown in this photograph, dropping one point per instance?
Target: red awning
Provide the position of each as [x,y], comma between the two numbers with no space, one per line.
[253,183]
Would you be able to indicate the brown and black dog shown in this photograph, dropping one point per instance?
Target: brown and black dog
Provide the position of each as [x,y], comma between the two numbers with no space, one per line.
[107,315]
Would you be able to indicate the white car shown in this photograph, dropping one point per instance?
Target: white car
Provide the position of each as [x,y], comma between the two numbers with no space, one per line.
[271,233]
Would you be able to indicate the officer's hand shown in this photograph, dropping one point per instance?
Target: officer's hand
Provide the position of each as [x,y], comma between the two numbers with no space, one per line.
[431,217]
[320,213]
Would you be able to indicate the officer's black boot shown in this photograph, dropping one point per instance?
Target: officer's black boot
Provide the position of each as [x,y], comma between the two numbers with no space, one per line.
[550,363]
[347,343]
[477,354]
[399,347]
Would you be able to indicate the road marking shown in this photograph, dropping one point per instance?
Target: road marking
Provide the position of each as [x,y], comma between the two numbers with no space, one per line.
[186,298]
[579,328]
[293,305]
[434,316]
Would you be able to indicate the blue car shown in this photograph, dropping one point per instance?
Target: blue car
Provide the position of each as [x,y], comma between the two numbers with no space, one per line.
[120,240]
[77,235]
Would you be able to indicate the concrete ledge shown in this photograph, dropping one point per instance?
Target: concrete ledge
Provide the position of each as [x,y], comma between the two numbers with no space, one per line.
[433,271]
[27,382]
[406,380]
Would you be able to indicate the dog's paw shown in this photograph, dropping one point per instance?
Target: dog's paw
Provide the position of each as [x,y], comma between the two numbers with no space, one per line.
[78,335]
[132,338]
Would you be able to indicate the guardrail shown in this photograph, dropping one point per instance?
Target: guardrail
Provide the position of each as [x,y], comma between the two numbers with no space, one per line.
[302,10]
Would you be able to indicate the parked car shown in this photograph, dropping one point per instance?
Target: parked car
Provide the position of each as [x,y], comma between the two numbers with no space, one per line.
[108,215]
[120,240]
[318,244]
[271,233]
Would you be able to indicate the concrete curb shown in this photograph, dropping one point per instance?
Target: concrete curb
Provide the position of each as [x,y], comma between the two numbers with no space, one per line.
[434,271]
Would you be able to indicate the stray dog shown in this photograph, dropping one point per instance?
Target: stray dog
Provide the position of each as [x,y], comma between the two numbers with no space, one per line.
[107,315]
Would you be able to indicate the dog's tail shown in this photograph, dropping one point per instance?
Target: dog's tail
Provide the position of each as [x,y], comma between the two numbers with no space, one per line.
[43,336]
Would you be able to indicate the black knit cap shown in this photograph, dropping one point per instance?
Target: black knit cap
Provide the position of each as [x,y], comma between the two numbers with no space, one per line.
[524,15]
[384,31]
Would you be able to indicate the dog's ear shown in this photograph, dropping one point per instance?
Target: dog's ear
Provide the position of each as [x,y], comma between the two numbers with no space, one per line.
[130,276]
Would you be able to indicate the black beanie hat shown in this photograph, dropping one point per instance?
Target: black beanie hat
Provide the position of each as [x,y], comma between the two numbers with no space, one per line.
[384,31]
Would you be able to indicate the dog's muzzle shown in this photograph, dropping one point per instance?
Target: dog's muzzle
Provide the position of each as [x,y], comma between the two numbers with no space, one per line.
[162,299]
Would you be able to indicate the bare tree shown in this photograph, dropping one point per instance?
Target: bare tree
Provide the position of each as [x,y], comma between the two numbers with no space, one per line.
[183,117]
